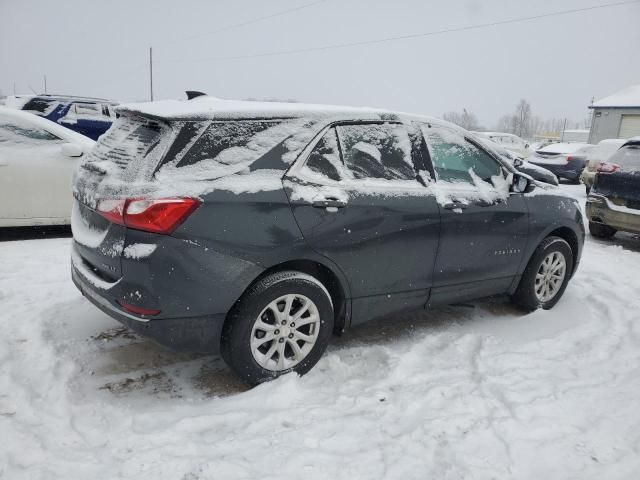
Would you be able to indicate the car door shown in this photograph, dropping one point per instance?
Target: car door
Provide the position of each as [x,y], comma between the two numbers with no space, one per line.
[35,177]
[484,226]
[358,202]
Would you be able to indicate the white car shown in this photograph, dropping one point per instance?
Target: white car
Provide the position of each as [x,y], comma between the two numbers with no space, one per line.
[511,142]
[37,161]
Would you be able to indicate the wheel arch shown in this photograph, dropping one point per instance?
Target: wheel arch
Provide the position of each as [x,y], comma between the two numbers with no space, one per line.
[332,281]
[565,232]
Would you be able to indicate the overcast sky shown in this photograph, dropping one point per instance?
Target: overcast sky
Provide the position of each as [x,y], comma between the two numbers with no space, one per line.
[100,48]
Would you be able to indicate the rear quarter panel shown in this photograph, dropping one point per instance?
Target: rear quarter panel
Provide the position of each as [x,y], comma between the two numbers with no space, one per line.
[225,245]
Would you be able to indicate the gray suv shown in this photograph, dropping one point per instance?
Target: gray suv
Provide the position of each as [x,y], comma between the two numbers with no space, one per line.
[258,229]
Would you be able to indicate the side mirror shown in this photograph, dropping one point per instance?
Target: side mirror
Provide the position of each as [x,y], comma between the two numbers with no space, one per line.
[72,150]
[522,184]
[517,162]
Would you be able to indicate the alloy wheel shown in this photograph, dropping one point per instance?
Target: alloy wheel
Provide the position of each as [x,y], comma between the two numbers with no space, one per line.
[285,332]
[550,276]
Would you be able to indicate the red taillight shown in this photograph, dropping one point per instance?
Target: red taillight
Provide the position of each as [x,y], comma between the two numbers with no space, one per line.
[147,312]
[606,167]
[160,215]
[112,210]
[569,158]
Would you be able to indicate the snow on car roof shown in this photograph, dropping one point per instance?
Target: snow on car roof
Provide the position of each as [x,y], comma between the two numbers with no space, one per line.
[207,107]
[497,134]
[48,125]
[627,97]
[564,147]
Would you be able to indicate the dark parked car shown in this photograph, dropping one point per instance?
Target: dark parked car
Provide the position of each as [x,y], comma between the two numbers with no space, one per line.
[565,160]
[89,116]
[258,229]
[534,171]
[614,201]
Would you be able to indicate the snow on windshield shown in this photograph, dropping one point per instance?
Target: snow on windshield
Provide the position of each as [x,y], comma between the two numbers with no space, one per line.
[16,132]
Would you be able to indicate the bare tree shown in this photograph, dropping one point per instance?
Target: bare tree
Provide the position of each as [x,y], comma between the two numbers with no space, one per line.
[466,120]
[523,119]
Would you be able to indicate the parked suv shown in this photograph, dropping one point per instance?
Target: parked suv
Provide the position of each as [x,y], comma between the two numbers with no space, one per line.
[89,116]
[614,201]
[258,229]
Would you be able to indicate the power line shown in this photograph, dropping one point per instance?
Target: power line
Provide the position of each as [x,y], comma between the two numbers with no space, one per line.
[247,22]
[417,35]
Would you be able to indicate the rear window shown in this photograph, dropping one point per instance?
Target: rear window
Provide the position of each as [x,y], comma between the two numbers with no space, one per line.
[130,142]
[40,106]
[627,157]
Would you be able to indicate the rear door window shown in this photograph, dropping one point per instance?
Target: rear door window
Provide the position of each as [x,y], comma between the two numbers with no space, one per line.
[456,159]
[381,151]
[228,143]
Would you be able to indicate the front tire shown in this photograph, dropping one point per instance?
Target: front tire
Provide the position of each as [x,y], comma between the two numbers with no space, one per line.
[599,230]
[281,324]
[546,276]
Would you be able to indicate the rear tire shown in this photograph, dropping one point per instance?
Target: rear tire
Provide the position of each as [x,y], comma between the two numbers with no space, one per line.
[599,230]
[281,324]
[546,276]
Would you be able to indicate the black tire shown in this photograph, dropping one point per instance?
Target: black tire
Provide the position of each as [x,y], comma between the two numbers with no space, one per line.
[525,296]
[599,230]
[238,329]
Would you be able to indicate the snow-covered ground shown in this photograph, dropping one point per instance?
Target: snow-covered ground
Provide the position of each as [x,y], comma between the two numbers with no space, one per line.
[477,391]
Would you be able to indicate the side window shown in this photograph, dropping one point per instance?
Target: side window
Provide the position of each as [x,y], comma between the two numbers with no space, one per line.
[233,143]
[324,159]
[377,151]
[17,131]
[454,157]
[87,110]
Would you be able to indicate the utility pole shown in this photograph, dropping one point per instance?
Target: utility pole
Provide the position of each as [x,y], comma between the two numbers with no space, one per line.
[151,73]
[45,84]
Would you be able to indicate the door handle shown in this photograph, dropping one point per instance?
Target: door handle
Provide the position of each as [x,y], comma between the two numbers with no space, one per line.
[329,203]
[454,205]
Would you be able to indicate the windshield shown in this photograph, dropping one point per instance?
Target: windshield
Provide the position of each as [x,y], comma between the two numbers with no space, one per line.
[628,157]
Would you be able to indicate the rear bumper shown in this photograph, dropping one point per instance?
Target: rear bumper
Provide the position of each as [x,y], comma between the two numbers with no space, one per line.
[600,210]
[194,334]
